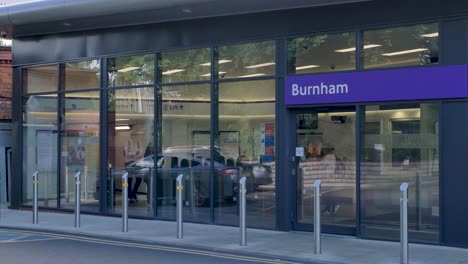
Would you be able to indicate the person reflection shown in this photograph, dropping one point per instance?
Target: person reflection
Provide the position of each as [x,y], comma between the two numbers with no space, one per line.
[329,167]
[133,151]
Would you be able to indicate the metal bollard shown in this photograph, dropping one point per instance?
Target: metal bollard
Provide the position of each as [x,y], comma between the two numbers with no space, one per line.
[180,187]
[67,191]
[78,199]
[35,190]
[317,224]
[404,259]
[242,214]
[125,202]
[86,182]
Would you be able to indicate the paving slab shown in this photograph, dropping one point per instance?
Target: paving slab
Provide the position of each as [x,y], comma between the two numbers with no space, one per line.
[297,245]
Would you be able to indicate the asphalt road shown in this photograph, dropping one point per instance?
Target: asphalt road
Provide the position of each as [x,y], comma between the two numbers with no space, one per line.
[37,248]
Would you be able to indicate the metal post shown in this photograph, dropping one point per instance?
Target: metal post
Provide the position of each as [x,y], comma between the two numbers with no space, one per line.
[317,224]
[125,202]
[111,189]
[77,199]
[67,191]
[180,188]
[45,183]
[404,223]
[242,207]
[192,195]
[418,202]
[1,197]
[35,183]
[86,183]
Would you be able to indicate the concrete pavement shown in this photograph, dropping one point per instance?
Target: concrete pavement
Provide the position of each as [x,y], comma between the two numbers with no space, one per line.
[296,245]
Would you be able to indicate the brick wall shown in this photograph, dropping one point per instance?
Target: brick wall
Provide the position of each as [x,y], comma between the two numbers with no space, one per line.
[5,84]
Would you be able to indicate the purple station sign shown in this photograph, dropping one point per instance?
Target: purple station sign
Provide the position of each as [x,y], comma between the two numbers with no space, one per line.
[383,85]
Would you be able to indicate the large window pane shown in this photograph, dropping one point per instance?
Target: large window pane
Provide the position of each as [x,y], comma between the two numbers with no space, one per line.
[132,70]
[80,149]
[185,66]
[40,79]
[82,75]
[400,145]
[130,148]
[401,46]
[185,149]
[247,60]
[40,148]
[328,140]
[323,53]
[245,146]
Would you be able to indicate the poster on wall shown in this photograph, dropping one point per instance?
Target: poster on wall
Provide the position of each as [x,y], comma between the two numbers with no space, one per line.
[76,148]
[46,150]
[229,143]
[267,139]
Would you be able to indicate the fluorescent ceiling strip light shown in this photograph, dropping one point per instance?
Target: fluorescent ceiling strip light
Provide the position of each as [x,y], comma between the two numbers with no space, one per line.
[209,74]
[251,75]
[172,71]
[306,67]
[128,69]
[219,62]
[122,128]
[122,119]
[369,46]
[260,65]
[404,52]
[431,35]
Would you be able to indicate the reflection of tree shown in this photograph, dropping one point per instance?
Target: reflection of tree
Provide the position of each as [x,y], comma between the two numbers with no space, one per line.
[321,50]
[133,70]
[398,39]
[194,63]
[244,55]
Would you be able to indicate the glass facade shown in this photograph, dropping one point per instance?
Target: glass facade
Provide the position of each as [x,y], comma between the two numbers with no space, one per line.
[185,66]
[247,60]
[328,140]
[185,149]
[132,70]
[401,46]
[400,144]
[322,53]
[40,135]
[82,74]
[159,122]
[130,115]
[80,148]
[246,145]
[40,79]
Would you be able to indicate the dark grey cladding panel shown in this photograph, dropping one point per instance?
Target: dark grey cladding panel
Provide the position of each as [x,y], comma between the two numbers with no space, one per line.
[206,31]
[454,173]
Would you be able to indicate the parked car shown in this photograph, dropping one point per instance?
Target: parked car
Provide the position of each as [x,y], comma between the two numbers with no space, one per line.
[195,163]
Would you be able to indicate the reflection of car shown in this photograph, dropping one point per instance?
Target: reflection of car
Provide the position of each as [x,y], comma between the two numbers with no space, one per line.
[261,173]
[196,166]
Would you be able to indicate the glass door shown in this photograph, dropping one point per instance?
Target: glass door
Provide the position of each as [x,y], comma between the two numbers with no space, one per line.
[326,151]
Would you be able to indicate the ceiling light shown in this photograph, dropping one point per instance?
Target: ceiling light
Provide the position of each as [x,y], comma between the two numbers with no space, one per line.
[431,35]
[122,128]
[122,119]
[173,71]
[404,52]
[209,74]
[306,67]
[219,62]
[368,46]
[251,75]
[260,65]
[128,69]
